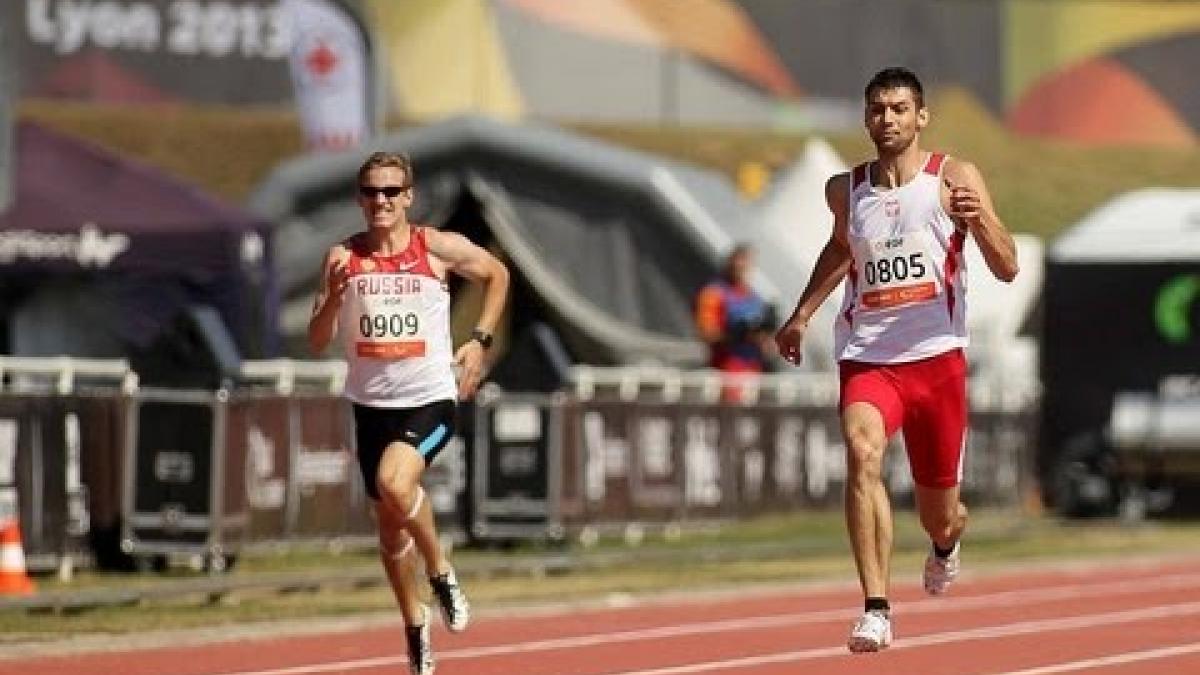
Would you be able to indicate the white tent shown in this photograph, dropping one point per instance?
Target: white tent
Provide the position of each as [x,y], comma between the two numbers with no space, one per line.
[1152,225]
[788,232]
[997,310]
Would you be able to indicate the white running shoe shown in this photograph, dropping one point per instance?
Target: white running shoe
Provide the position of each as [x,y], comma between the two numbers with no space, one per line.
[871,633]
[456,611]
[940,572]
[420,648]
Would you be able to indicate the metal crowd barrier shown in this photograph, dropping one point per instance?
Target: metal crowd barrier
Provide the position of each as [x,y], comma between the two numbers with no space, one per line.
[283,376]
[251,468]
[133,473]
[517,449]
[100,470]
[60,430]
[64,375]
[255,469]
[657,446]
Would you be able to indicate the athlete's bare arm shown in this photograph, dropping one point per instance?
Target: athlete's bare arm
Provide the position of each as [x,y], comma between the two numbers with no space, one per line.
[831,267]
[466,259]
[334,276]
[966,198]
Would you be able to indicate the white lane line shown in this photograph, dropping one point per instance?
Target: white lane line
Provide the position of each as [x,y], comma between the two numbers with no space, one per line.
[1119,659]
[927,606]
[988,633]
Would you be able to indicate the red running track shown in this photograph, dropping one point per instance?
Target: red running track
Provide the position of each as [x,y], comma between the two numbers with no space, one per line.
[1121,617]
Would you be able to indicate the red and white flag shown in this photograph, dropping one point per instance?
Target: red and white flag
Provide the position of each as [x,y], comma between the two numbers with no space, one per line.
[331,73]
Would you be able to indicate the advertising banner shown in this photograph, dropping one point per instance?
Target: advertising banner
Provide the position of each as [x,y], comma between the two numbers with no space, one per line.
[330,72]
[154,51]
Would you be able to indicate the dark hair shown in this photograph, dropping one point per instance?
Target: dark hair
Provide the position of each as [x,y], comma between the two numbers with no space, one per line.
[378,160]
[894,78]
[740,248]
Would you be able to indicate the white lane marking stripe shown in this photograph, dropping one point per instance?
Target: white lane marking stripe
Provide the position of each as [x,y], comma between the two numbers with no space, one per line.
[990,632]
[1119,659]
[928,606]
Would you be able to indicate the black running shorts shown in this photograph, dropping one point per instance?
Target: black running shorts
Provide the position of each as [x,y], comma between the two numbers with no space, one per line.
[427,428]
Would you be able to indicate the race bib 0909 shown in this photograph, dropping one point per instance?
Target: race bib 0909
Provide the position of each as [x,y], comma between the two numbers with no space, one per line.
[388,318]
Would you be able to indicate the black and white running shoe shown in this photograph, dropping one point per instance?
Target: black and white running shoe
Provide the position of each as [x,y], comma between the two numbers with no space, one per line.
[940,572]
[455,609]
[420,648]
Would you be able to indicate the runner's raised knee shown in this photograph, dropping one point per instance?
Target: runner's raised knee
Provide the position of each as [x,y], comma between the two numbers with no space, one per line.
[405,499]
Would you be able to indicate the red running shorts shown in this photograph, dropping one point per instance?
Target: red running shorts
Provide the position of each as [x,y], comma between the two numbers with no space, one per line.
[925,398]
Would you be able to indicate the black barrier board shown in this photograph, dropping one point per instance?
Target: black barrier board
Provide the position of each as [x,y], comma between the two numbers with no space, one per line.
[781,440]
[652,463]
[710,474]
[570,486]
[604,444]
[291,464]
[747,434]
[34,477]
[657,466]
[103,423]
[258,442]
[173,472]
[517,441]
[325,489]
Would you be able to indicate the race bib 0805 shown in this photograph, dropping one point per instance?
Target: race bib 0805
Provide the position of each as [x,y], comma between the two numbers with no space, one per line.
[896,272]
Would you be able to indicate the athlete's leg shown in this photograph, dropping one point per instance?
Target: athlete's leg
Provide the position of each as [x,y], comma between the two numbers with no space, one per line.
[428,541]
[943,515]
[399,485]
[398,555]
[935,435]
[868,510]
[374,429]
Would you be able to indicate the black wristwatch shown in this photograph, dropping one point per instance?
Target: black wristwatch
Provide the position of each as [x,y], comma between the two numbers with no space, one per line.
[483,337]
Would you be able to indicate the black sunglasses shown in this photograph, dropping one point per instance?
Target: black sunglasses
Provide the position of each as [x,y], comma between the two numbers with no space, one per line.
[389,191]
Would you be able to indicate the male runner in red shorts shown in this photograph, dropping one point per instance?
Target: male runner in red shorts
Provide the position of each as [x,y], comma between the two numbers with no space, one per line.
[900,223]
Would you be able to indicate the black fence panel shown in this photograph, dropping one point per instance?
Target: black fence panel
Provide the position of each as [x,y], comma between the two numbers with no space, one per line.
[41,480]
[516,453]
[175,483]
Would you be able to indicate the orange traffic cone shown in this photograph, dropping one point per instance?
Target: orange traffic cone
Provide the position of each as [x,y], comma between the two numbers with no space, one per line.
[13,579]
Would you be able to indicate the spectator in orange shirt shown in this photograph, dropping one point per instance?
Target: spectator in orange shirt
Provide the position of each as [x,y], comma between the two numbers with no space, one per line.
[735,321]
